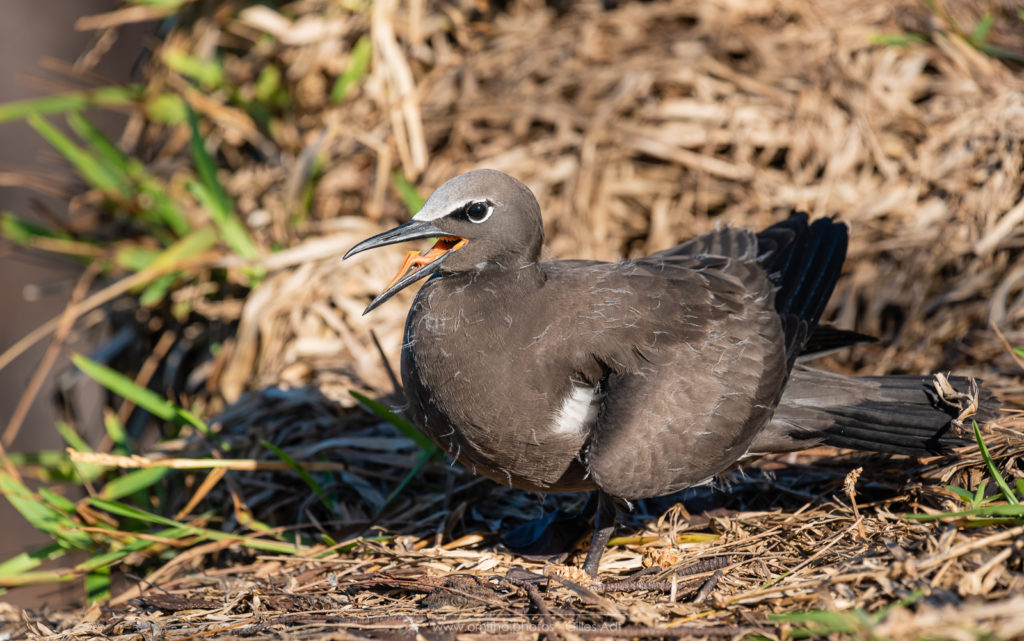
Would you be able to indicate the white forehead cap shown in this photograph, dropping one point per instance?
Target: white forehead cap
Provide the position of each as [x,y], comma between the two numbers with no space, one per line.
[480,184]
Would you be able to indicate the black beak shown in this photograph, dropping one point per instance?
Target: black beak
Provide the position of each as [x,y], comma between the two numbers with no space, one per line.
[416,266]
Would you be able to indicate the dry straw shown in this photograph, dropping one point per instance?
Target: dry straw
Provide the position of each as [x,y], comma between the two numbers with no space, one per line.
[636,128]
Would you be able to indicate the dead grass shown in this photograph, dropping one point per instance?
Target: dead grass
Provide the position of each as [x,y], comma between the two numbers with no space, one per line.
[636,128]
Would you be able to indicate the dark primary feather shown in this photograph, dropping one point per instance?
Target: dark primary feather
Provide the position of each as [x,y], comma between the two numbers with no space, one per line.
[804,262]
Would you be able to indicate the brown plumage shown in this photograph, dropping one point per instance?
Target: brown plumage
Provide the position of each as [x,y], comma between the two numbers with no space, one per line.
[636,378]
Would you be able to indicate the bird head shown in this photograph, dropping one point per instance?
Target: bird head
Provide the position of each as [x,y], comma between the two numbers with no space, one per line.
[483,219]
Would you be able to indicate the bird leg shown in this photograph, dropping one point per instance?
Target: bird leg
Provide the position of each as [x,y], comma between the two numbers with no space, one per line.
[604,524]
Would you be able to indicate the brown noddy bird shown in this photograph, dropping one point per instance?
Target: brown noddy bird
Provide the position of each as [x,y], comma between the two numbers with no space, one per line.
[638,378]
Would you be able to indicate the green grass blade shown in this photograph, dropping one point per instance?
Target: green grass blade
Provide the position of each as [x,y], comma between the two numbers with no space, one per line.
[34,236]
[981,30]
[268,83]
[117,434]
[145,398]
[156,291]
[70,101]
[22,231]
[26,561]
[135,258]
[161,209]
[127,511]
[90,168]
[169,5]
[125,387]
[205,166]
[407,192]
[897,39]
[992,469]
[402,425]
[167,109]
[101,146]
[235,234]
[304,474]
[72,438]
[209,74]
[41,515]
[57,501]
[821,622]
[132,482]
[422,458]
[190,246]
[211,195]
[97,585]
[1014,511]
[358,66]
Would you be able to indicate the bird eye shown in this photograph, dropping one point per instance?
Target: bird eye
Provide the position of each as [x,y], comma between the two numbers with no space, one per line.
[478,212]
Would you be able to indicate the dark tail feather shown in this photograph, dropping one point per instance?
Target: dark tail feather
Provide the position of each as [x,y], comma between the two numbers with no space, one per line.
[889,414]
[804,262]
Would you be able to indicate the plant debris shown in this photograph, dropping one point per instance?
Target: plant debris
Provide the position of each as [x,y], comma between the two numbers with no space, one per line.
[312,125]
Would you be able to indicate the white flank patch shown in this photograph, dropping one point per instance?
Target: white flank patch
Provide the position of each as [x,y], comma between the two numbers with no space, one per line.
[579,409]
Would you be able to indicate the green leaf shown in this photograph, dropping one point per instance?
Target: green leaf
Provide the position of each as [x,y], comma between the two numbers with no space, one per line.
[102,147]
[72,438]
[267,83]
[358,66]
[157,206]
[132,482]
[22,231]
[235,235]
[117,434]
[135,258]
[26,561]
[208,73]
[897,39]
[92,169]
[170,5]
[303,473]
[194,244]
[121,509]
[1015,511]
[206,168]
[211,195]
[156,291]
[422,458]
[981,30]
[145,398]
[97,584]
[992,469]
[821,622]
[979,494]
[70,101]
[402,425]
[964,495]
[407,192]
[123,386]
[58,501]
[167,109]
[41,515]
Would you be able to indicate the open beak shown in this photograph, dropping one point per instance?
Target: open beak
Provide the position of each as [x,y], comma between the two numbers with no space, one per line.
[416,265]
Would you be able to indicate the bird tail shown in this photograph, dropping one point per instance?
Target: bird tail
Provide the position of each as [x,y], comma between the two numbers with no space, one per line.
[911,415]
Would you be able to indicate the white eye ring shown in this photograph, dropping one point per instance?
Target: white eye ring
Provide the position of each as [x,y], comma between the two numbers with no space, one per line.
[479,211]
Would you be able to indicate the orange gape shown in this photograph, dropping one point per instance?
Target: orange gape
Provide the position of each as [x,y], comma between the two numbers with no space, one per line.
[413,260]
